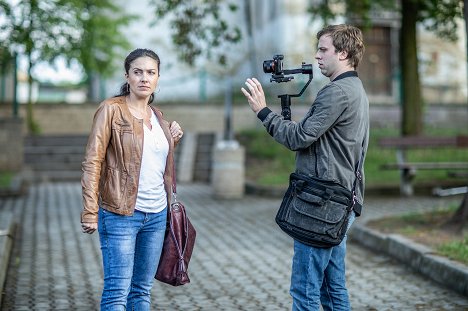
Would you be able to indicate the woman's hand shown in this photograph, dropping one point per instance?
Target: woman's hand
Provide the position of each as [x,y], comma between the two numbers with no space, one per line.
[256,97]
[176,131]
[89,227]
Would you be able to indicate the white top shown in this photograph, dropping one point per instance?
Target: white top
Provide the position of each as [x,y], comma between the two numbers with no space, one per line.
[152,197]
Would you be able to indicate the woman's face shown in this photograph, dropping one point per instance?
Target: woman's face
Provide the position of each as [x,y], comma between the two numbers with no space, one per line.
[143,76]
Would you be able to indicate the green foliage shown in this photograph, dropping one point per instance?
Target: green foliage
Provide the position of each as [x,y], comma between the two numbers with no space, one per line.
[441,16]
[87,31]
[103,39]
[198,28]
[42,31]
[5,179]
[435,15]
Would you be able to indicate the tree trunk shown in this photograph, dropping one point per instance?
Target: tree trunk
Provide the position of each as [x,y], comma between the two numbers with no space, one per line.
[249,19]
[411,119]
[460,218]
[29,112]
[33,127]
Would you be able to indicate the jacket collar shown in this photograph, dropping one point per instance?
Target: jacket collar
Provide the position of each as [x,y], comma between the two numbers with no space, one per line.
[346,74]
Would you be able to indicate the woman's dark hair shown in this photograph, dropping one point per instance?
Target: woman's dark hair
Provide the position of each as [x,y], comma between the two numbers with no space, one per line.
[124,89]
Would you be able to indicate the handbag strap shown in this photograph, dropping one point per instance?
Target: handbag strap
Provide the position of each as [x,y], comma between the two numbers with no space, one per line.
[174,182]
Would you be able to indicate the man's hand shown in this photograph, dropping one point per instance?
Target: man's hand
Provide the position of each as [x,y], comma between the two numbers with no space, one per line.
[89,227]
[256,97]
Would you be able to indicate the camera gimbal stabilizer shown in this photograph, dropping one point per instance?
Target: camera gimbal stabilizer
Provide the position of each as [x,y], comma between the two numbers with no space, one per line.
[275,67]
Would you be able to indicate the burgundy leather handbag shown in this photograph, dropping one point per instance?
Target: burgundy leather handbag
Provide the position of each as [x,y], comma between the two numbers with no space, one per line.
[178,245]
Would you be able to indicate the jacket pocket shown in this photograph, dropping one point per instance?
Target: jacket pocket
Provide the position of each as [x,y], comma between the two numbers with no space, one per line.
[121,126]
[122,143]
[114,189]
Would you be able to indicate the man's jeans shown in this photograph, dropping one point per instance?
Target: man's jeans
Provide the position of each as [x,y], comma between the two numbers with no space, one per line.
[131,247]
[318,276]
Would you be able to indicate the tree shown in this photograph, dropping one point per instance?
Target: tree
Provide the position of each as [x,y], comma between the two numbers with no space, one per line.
[43,30]
[102,40]
[198,28]
[38,30]
[434,15]
[200,31]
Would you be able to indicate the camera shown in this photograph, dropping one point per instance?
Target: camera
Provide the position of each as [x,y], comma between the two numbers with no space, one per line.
[275,67]
[278,75]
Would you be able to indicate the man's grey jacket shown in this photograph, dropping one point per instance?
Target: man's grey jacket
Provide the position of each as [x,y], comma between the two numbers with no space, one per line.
[330,138]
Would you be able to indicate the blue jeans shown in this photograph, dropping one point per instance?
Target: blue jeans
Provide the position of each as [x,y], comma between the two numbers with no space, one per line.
[318,277]
[131,247]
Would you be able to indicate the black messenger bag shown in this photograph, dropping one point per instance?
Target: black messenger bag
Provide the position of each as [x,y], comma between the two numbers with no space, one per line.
[316,211]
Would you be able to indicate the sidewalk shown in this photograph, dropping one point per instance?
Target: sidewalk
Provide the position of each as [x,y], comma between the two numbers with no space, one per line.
[241,261]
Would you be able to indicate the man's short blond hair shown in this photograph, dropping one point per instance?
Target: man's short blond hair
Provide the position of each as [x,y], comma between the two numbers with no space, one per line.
[346,38]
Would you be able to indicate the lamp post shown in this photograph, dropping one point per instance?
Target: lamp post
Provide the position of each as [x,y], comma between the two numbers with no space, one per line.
[228,157]
[228,135]
[15,85]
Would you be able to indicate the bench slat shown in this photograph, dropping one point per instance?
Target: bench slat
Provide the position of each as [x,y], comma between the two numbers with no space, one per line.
[427,165]
[405,142]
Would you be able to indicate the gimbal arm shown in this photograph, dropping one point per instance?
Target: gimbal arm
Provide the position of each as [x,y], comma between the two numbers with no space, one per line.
[286,98]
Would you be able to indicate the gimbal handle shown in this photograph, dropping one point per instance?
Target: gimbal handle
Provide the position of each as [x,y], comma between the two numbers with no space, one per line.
[286,100]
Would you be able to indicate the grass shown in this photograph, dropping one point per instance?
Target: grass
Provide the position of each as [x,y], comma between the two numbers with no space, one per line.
[269,163]
[456,250]
[428,229]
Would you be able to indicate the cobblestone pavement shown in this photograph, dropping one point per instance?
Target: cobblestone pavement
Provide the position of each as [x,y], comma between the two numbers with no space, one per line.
[241,259]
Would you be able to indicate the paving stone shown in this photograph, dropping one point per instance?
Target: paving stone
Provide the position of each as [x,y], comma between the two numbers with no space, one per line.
[241,261]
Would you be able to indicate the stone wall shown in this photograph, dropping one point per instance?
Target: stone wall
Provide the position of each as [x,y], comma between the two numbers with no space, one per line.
[77,119]
[11,144]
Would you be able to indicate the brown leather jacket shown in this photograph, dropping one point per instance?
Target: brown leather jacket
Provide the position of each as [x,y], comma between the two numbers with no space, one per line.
[111,167]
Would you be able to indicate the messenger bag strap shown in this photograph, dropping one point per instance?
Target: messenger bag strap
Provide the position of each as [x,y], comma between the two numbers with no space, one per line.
[356,206]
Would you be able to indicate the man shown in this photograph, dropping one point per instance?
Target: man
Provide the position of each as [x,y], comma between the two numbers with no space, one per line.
[329,142]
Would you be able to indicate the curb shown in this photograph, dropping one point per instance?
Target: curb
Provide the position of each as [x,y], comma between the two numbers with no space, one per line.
[7,230]
[421,258]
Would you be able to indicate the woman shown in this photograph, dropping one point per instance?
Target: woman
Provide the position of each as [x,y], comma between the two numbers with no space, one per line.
[126,182]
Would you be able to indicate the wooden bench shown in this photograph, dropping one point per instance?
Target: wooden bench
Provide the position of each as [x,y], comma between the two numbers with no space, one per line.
[408,169]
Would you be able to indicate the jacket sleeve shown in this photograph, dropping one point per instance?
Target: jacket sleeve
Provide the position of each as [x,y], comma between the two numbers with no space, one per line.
[94,156]
[329,105]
